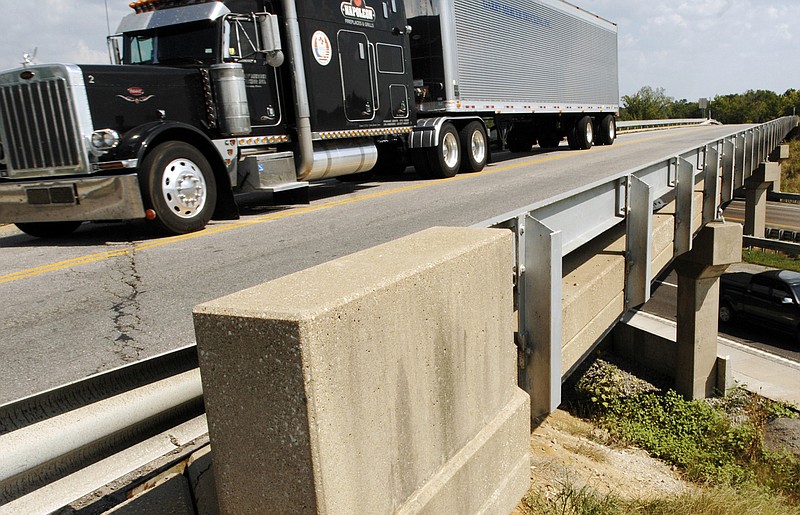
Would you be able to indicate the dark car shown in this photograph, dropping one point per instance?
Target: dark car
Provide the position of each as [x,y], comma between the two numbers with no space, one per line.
[770,299]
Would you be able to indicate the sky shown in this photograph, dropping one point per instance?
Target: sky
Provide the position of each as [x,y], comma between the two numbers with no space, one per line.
[692,49]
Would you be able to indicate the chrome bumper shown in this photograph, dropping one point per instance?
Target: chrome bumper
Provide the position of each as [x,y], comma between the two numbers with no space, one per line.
[82,199]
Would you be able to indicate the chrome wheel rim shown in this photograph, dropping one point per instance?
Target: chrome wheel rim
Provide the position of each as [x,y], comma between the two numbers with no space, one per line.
[612,131]
[478,146]
[450,150]
[183,187]
[589,133]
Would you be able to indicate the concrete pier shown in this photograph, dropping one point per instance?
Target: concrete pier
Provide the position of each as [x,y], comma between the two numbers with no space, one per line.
[381,382]
[716,246]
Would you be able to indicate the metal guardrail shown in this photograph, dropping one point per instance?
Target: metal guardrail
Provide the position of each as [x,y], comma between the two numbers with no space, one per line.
[650,125]
[547,231]
[49,435]
[109,411]
[787,247]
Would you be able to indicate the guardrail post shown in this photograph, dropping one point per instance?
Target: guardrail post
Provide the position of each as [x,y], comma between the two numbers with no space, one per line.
[728,151]
[749,154]
[711,185]
[739,158]
[543,305]
[639,242]
[684,206]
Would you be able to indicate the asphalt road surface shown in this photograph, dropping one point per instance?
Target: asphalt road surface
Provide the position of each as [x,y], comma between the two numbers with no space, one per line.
[779,215]
[663,302]
[114,293]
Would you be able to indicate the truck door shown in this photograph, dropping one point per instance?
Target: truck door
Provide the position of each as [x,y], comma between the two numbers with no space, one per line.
[261,80]
[357,63]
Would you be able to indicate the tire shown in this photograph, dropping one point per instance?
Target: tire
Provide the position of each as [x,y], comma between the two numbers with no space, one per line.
[726,313]
[419,159]
[392,159]
[549,140]
[179,185]
[584,133]
[474,147]
[357,177]
[608,130]
[520,139]
[445,158]
[48,229]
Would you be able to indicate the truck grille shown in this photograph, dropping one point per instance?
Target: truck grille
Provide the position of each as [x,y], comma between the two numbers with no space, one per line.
[40,129]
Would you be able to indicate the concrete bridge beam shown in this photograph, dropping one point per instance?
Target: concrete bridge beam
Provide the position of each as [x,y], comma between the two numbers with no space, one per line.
[717,246]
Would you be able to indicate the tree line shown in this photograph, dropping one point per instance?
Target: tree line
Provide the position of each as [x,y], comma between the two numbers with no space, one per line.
[754,106]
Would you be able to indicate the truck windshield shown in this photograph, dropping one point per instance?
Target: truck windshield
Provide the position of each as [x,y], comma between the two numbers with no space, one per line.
[796,289]
[183,44]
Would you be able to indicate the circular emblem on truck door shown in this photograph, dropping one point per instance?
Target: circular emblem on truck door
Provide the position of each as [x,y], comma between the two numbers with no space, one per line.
[321,46]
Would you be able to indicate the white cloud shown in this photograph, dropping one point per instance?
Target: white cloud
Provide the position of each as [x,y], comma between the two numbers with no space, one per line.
[691,48]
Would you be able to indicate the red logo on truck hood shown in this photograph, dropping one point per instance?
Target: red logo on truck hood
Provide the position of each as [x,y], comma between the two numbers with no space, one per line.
[135,95]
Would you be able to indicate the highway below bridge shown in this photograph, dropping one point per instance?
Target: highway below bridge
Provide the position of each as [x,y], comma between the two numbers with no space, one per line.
[112,294]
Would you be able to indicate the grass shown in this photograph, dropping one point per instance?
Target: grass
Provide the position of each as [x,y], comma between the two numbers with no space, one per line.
[715,500]
[718,444]
[771,259]
[790,176]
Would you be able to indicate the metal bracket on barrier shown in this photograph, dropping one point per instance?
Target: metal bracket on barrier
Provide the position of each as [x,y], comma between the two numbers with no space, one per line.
[711,186]
[728,151]
[749,154]
[684,207]
[639,242]
[540,312]
[739,156]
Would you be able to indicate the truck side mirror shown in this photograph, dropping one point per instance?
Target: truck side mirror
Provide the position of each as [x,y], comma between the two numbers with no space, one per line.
[787,300]
[270,39]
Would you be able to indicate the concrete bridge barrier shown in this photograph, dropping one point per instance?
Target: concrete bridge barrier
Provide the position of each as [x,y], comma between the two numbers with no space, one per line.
[381,382]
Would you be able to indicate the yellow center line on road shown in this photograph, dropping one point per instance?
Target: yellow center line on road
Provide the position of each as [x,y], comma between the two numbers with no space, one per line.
[222,228]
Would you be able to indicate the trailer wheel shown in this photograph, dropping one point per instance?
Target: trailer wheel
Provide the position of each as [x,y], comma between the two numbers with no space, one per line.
[445,158]
[608,130]
[48,229]
[549,140]
[520,139]
[179,186]
[475,147]
[584,133]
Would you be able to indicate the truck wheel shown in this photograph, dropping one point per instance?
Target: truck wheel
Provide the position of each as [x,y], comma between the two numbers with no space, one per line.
[48,229]
[549,140]
[419,159]
[179,186]
[445,158]
[474,146]
[608,130]
[584,133]
[520,139]
[726,314]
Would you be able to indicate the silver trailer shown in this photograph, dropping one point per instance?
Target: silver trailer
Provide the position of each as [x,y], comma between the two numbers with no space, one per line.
[542,69]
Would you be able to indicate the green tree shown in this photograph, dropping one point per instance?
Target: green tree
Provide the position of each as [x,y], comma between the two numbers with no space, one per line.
[646,104]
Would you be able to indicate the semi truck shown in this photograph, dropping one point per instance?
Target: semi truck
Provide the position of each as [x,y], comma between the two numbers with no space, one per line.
[205,100]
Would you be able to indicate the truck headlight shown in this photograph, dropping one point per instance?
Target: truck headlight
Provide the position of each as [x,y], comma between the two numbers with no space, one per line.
[105,139]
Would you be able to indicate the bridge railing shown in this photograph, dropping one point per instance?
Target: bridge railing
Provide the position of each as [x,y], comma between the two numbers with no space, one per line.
[652,125]
[548,231]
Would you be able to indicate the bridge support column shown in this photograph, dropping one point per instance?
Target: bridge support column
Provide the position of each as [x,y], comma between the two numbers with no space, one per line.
[756,187]
[717,245]
[778,155]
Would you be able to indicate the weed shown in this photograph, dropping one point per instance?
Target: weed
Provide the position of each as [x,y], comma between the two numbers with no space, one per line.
[718,442]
